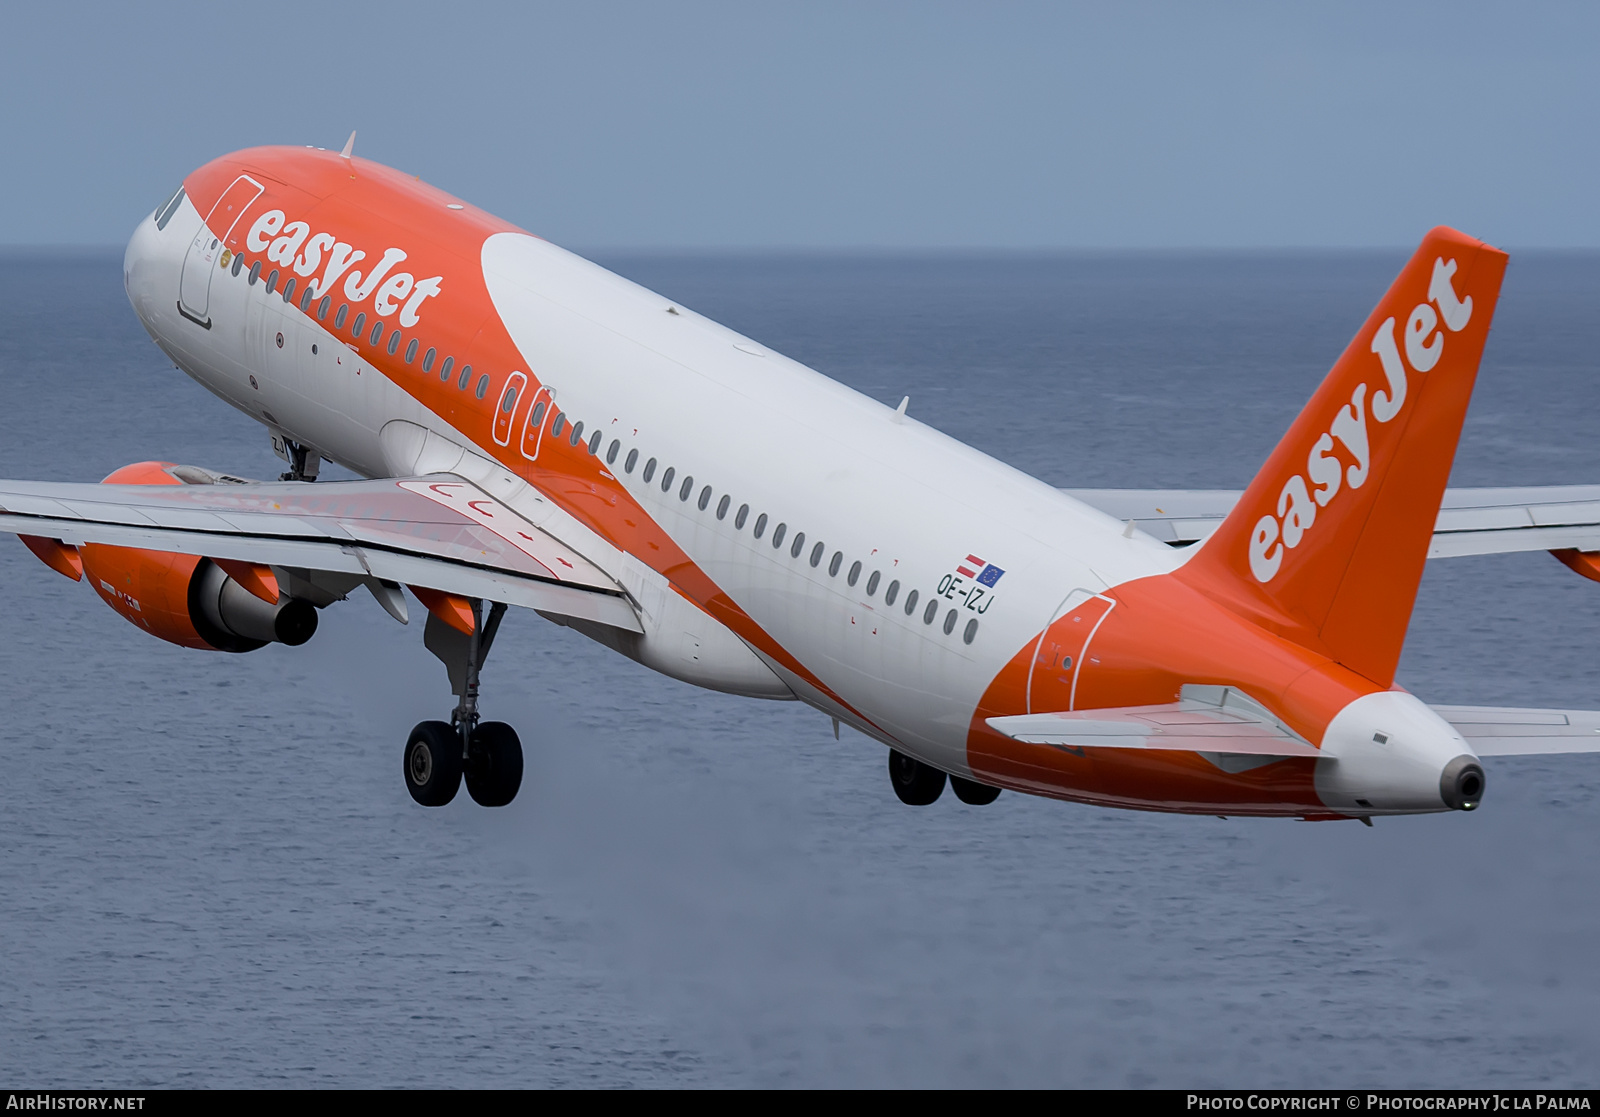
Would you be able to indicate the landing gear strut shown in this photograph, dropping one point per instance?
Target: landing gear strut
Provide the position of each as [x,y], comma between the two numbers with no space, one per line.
[304,462]
[487,753]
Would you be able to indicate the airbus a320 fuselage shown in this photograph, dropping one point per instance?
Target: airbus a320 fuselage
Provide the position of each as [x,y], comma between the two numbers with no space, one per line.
[732,518]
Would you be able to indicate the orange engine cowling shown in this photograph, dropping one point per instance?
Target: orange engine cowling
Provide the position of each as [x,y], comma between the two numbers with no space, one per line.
[185,599]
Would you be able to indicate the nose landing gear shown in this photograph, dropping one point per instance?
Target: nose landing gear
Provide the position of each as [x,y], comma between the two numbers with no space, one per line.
[488,754]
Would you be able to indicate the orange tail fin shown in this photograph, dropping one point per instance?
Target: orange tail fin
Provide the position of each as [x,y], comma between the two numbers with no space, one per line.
[1327,545]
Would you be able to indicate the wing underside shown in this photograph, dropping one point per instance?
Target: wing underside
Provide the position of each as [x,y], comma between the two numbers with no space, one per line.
[438,531]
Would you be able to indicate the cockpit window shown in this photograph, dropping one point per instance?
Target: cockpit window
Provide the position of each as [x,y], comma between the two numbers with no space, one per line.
[170,207]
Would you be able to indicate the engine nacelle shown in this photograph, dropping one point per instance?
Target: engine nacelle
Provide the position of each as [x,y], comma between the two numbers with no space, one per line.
[184,599]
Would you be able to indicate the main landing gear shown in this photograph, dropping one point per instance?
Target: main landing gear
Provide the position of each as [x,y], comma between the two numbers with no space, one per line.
[304,462]
[488,754]
[918,784]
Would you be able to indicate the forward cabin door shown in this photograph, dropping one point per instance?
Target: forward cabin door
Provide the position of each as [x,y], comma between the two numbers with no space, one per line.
[194,288]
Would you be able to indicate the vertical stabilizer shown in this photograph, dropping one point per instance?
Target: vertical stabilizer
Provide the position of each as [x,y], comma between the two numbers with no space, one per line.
[1327,545]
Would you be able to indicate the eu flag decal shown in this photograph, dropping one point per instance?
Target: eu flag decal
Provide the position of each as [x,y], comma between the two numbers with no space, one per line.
[984,573]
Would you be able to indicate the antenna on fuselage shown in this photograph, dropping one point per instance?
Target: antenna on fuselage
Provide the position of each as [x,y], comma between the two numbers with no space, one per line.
[900,412]
[349,146]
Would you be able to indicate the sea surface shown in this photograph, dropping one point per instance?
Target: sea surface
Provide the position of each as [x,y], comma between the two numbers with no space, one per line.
[211,873]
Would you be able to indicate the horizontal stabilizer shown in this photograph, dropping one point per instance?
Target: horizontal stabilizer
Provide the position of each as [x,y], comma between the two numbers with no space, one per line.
[1206,719]
[1509,731]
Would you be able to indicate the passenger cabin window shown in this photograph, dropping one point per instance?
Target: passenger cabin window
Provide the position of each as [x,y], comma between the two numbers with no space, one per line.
[510,400]
[558,425]
[872,584]
[288,290]
[358,325]
[854,575]
[738,517]
[632,460]
[427,359]
[688,487]
[666,479]
[411,348]
[971,631]
[338,319]
[255,272]
[238,262]
[272,281]
[305,301]
[649,470]
[377,332]
[446,369]
[466,377]
[611,451]
[931,611]
[833,566]
[594,442]
[816,555]
[705,498]
[761,525]
[322,308]
[722,506]
[911,602]
[538,415]
[891,593]
[577,433]
[777,535]
[394,342]
[483,385]
[950,622]
[798,545]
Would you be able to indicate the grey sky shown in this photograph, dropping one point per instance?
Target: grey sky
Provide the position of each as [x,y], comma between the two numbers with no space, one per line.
[838,125]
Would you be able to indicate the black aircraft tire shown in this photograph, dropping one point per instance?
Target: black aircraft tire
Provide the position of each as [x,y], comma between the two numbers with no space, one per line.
[914,782]
[494,764]
[433,763]
[973,793]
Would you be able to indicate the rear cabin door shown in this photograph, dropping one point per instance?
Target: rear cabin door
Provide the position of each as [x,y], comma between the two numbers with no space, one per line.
[1059,655]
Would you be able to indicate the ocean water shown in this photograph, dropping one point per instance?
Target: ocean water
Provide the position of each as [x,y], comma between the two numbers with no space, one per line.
[211,874]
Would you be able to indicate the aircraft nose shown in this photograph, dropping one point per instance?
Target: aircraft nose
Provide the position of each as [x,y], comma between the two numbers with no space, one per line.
[1461,784]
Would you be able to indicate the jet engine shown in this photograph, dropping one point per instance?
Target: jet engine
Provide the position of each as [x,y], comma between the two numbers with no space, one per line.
[194,602]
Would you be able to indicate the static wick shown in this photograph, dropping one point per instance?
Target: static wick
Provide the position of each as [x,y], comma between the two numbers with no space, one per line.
[835,729]
[900,412]
[349,146]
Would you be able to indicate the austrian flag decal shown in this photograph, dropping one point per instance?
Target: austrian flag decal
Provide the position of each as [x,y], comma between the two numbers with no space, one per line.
[985,574]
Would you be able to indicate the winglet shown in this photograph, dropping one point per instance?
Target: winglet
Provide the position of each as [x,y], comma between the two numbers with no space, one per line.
[349,146]
[1327,545]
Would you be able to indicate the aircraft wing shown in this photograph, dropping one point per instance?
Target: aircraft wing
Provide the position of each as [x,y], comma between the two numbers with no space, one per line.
[1471,521]
[438,531]
[1507,731]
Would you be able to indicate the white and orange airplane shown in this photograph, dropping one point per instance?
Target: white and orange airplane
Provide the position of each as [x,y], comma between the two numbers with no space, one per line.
[537,431]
